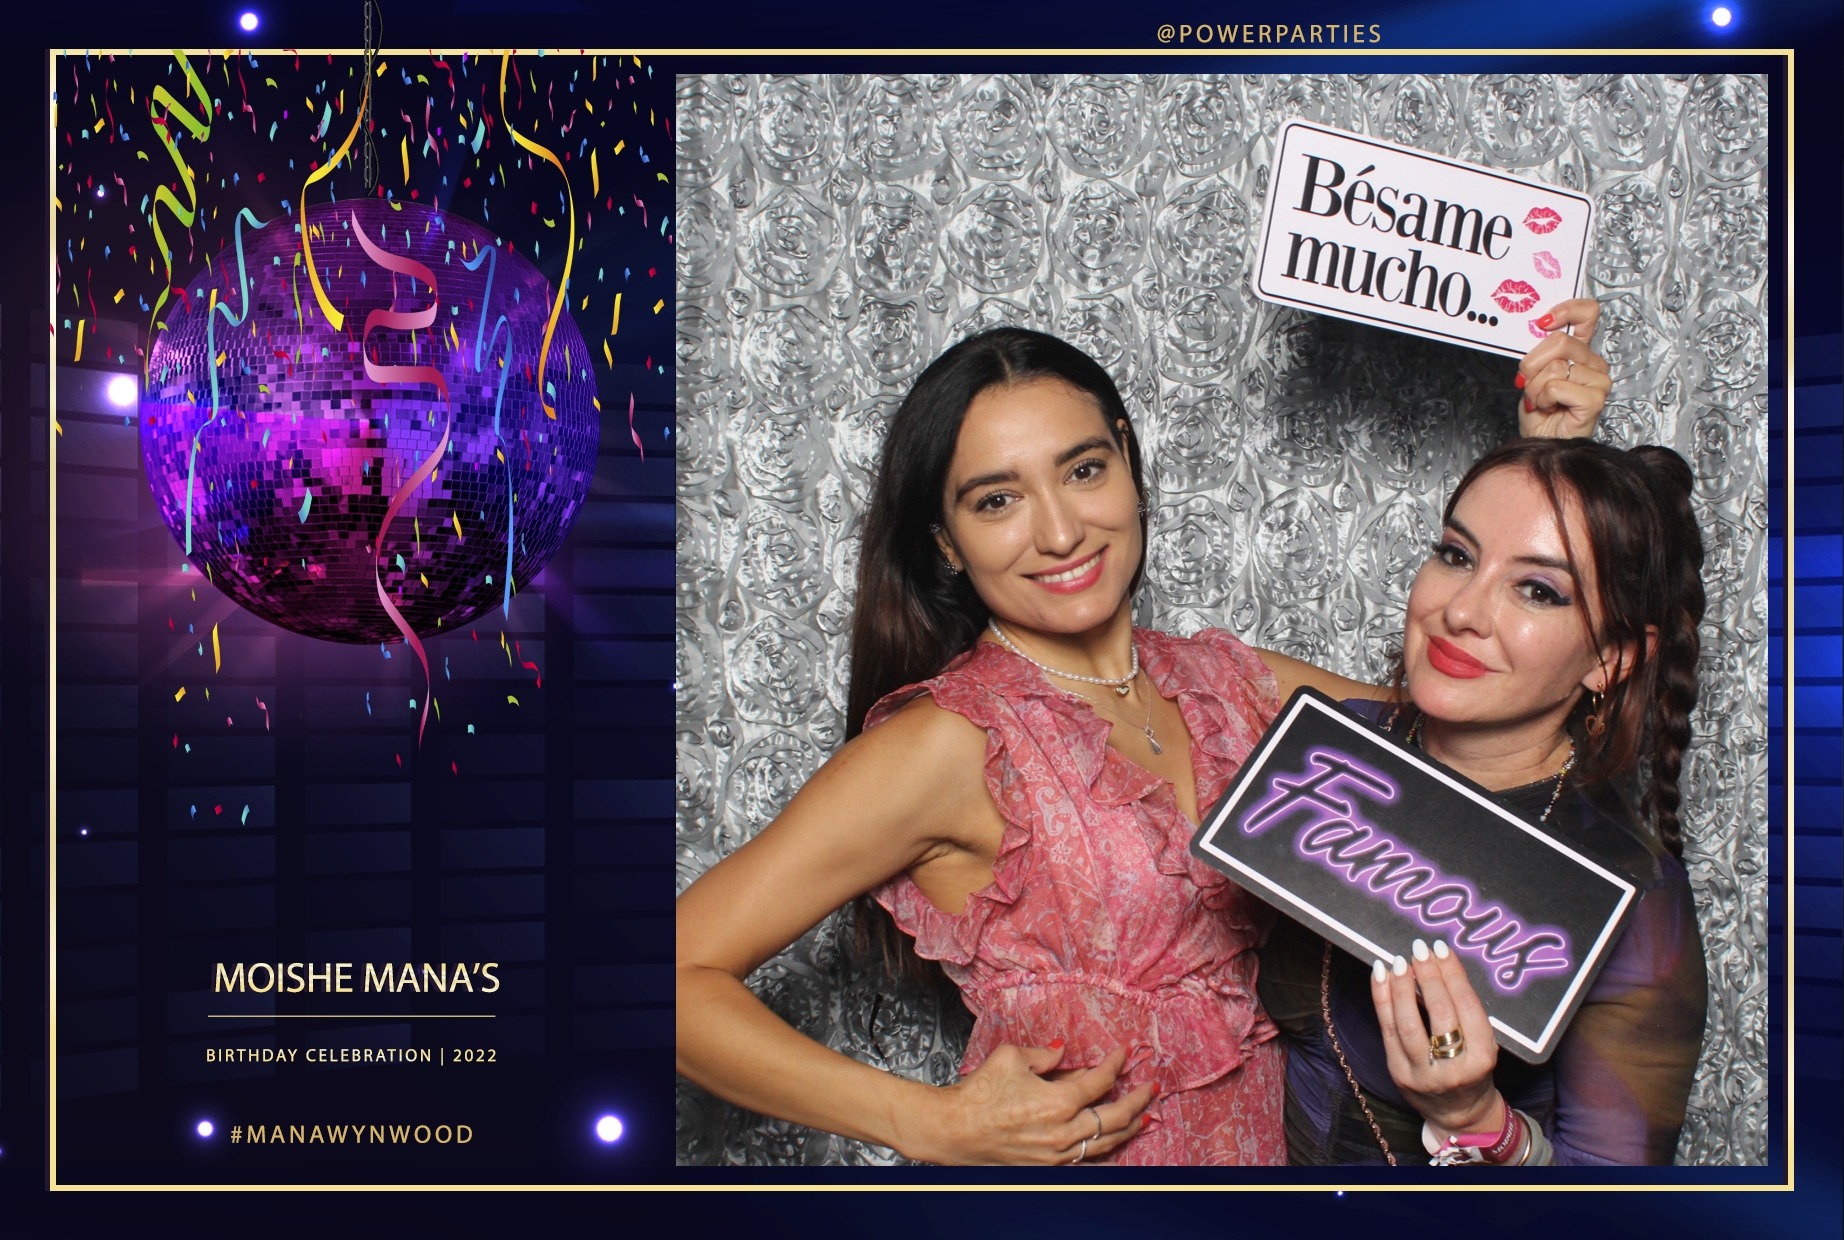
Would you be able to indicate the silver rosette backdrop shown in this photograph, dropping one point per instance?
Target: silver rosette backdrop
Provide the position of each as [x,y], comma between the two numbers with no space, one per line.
[837,232]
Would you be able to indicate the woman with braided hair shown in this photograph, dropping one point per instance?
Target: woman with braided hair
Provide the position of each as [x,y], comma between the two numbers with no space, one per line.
[1551,657]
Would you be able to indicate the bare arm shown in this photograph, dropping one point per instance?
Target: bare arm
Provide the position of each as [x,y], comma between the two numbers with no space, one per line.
[1290,673]
[898,798]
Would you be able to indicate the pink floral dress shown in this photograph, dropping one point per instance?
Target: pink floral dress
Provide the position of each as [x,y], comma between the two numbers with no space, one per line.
[1099,927]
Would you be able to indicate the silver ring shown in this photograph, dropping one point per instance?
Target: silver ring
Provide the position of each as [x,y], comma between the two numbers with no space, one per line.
[1097,1115]
[1080,1154]
[1569,374]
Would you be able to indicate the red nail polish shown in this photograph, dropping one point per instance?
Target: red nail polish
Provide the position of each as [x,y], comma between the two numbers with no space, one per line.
[1547,322]
[1519,381]
[1156,1088]
[1530,406]
[1057,1045]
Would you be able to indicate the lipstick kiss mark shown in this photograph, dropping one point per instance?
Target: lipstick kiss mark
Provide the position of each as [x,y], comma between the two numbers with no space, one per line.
[1514,296]
[1542,220]
[1536,331]
[1546,264]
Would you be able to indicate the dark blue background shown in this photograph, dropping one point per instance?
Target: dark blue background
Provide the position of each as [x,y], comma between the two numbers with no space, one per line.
[1811,711]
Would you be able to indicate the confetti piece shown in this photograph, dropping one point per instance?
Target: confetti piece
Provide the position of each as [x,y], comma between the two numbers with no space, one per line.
[456,518]
[181,695]
[245,820]
[614,327]
[514,701]
[217,653]
[307,502]
[79,356]
[659,305]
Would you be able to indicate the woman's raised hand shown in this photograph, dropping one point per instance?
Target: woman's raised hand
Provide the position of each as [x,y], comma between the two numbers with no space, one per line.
[1564,381]
[1006,1111]
[1452,1090]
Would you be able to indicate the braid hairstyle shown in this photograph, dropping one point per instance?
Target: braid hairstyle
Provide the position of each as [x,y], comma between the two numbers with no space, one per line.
[1678,643]
[1647,556]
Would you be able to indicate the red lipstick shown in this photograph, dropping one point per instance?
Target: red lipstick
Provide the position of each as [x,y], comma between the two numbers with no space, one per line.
[1449,660]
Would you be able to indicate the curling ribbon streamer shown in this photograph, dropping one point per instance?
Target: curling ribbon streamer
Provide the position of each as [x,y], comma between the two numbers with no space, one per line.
[164,196]
[569,255]
[490,256]
[403,320]
[334,317]
[211,352]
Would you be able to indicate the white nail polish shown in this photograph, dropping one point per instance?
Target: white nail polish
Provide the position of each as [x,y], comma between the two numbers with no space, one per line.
[1440,949]
[1378,972]
[1402,966]
[1420,949]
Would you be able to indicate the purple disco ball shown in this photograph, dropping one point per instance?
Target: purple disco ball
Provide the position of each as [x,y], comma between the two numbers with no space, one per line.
[323,480]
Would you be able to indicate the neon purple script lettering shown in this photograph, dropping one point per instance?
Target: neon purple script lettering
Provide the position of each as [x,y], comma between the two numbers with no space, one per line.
[1333,834]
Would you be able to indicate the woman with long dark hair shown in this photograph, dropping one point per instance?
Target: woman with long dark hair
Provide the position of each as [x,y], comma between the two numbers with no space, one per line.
[1551,657]
[1019,793]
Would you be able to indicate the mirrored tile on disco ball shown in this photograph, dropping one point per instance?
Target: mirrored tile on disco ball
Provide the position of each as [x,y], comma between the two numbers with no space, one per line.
[1725,123]
[1722,236]
[893,236]
[791,245]
[1630,239]
[891,341]
[1098,123]
[706,131]
[793,134]
[1295,551]
[1517,119]
[789,356]
[282,503]
[1726,341]
[1205,123]
[1620,122]
[773,670]
[1098,236]
[994,241]
[1196,548]
[1419,110]
[992,130]
[891,132]
[1202,235]
[1197,438]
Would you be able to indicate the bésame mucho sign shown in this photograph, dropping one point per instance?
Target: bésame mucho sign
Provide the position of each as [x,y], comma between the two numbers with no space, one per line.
[1376,232]
[1374,845]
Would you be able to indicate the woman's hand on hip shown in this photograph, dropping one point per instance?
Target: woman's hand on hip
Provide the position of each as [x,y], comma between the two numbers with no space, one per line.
[1005,1111]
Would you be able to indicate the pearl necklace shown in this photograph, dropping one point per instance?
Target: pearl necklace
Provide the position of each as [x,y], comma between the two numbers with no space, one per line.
[1121,685]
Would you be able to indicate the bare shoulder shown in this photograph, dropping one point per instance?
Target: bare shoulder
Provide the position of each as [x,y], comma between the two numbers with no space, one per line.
[1291,673]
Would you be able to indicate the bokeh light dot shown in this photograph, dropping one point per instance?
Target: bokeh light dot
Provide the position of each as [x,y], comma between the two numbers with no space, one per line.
[205,1128]
[608,1128]
[247,22]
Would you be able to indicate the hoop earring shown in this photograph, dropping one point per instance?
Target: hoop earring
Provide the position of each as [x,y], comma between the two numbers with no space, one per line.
[1595,724]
